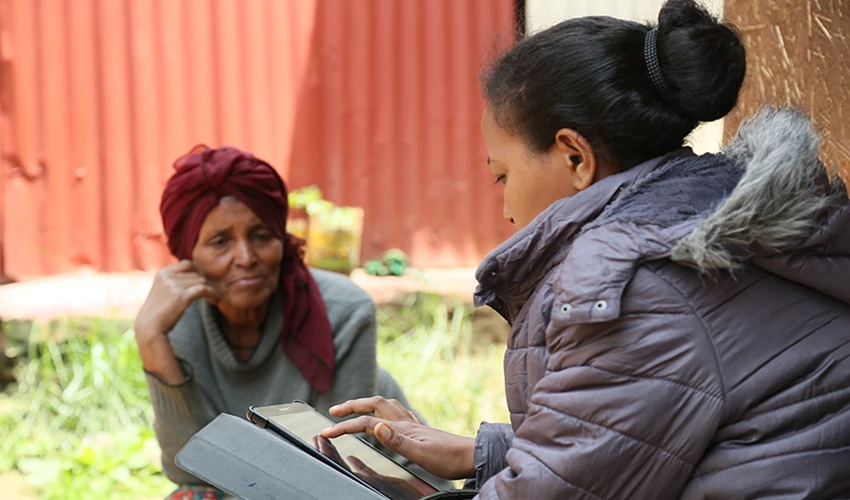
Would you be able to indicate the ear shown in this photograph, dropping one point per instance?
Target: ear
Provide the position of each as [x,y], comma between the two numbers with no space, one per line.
[578,155]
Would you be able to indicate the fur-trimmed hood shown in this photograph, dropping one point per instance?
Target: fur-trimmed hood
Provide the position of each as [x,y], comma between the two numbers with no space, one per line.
[766,200]
[779,200]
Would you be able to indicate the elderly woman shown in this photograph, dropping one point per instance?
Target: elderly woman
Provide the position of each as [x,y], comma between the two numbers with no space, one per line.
[240,320]
[680,323]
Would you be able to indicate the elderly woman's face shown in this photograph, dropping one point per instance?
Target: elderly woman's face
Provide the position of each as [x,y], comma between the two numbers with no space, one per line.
[238,254]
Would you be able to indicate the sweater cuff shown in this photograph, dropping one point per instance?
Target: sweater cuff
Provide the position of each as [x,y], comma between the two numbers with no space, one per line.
[171,399]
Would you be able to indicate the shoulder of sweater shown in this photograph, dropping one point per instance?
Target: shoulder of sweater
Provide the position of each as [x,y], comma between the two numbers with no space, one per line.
[350,309]
[341,295]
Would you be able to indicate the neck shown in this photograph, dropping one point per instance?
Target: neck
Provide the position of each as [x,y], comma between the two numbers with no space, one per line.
[242,325]
[605,167]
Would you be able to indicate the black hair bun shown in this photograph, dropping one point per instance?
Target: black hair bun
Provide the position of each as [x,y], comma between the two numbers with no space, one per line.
[702,60]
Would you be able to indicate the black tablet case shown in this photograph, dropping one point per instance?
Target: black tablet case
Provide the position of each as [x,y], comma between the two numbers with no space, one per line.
[248,462]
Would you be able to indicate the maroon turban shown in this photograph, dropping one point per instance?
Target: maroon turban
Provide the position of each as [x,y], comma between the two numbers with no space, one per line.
[203,177]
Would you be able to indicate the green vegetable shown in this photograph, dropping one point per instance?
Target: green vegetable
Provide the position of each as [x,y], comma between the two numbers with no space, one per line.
[393,263]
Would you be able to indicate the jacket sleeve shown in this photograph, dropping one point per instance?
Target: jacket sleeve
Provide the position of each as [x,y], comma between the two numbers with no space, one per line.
[491,447]
[625,410]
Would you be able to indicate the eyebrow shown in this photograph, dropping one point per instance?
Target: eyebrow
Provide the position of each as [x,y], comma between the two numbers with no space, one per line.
[216,234]
[228,230]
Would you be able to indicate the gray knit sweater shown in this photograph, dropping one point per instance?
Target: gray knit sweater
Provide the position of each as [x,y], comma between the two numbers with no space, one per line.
[217,382]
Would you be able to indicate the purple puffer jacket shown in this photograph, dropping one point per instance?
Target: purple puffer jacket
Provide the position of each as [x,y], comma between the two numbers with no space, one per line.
[680,330]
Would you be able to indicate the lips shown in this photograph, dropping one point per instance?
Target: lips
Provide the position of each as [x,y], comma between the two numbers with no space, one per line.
[247,282]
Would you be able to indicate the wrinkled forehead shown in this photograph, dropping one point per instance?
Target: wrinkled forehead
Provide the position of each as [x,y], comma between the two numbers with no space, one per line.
[230,213]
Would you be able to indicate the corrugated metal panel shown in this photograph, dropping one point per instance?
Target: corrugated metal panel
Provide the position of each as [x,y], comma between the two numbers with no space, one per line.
[5,126]
[376,101]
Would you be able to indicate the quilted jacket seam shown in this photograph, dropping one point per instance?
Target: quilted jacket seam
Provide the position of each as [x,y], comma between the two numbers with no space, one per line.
[632,438]
[546,466]
[668,381]
[704,330]
[768,361]
[795,403]
[735,295]
[780,455]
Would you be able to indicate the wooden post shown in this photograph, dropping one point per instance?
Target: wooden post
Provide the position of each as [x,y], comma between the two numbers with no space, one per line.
[798,53]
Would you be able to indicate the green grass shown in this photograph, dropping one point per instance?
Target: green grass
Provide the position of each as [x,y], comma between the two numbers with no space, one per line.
[454,380]
[78,423]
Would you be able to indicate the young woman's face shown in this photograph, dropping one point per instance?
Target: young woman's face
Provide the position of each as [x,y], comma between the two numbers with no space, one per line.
[531,180]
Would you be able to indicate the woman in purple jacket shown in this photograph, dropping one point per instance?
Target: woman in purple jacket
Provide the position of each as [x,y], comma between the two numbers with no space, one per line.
[680,323]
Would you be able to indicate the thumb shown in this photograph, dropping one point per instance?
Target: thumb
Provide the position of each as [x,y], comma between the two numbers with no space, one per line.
[389,437]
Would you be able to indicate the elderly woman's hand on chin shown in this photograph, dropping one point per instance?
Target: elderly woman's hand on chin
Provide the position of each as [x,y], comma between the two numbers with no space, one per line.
[445,455]
[174,288]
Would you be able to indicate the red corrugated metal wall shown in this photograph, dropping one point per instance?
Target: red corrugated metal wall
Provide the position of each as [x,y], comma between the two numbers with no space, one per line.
[376,101]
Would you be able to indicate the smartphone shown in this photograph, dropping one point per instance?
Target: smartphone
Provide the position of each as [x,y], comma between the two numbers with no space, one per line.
[302,425]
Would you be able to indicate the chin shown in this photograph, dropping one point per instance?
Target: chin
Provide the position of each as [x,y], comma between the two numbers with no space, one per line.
[248,300]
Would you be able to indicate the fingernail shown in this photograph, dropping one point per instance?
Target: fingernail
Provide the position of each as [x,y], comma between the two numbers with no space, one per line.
[334,407]
[385,432]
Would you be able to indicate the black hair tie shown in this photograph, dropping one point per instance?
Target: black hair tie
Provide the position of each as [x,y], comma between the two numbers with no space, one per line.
[650,53]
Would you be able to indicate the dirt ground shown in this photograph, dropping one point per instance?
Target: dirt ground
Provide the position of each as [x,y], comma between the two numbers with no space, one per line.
[120,295]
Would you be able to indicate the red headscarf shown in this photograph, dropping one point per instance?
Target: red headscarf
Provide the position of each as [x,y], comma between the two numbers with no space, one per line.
[203,177]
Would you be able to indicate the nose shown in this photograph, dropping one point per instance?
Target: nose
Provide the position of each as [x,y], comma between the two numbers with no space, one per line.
[506,213]
[244,254]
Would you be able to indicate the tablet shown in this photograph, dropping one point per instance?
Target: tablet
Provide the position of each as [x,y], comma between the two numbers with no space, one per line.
[252,463]
[302,425]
